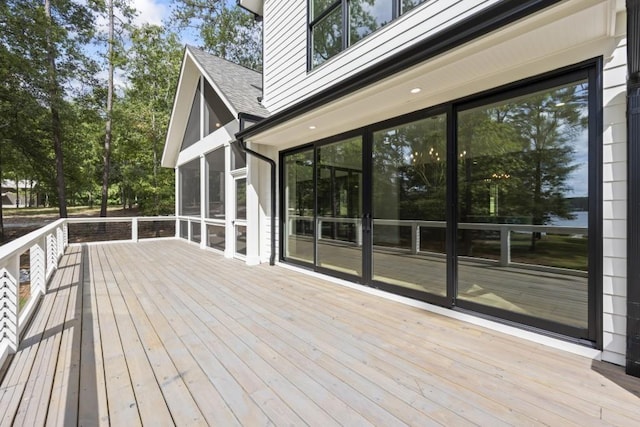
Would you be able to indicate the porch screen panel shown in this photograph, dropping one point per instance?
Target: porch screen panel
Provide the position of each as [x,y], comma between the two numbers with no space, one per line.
[190,188]
[216,191]
[298,206]
[523,205]
[409,205]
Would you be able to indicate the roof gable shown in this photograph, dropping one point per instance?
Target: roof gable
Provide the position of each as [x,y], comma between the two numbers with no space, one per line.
[237,87]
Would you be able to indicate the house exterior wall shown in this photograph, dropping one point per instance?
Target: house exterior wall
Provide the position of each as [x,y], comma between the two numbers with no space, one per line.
[287,82]
[286,79]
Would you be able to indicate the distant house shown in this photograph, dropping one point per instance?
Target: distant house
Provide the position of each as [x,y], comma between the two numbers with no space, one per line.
[18,195]
[435,150]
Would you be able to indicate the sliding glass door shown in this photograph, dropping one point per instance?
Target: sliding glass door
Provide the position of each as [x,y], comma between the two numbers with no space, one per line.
[490,205]
[523,206]
[339,186]
[409,179]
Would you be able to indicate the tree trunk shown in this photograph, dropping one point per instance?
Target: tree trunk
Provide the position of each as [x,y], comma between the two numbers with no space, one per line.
[106,157]
[156,199]
[56,125]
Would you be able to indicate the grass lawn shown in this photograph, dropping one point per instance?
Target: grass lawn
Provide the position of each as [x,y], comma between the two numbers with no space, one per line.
[53,211]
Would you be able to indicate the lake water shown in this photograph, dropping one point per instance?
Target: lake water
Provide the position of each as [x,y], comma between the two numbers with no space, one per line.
[581,220]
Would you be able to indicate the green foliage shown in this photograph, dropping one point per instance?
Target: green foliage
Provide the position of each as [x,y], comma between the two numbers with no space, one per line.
[226,30]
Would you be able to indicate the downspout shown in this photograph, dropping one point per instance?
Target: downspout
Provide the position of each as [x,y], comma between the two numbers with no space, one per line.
[243,117]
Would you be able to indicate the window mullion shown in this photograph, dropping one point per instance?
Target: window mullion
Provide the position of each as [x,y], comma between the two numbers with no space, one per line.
[324,13]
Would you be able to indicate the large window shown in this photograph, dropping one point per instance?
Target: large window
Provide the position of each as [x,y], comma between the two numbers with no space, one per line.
[488,204]
[217,114]
[523,198]
[190,188]
[192,131]
[337,24]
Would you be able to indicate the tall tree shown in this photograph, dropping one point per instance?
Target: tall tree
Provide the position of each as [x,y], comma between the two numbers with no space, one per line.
[226,29]
[106,156]
[152,72]
[119,15]
[54,106]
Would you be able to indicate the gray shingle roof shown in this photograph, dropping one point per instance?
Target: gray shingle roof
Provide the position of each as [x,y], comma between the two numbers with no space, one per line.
[239,85]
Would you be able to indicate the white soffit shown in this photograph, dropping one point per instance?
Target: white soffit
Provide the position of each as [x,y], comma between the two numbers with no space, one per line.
[563,35]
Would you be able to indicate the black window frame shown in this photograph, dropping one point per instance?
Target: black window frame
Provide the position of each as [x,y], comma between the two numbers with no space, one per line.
[312,22]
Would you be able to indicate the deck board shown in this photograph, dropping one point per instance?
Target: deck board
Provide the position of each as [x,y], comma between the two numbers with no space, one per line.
[163,333]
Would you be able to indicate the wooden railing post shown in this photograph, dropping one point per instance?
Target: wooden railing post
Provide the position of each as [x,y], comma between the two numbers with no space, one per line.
[65,235]
[59,242]
[9,305]
[505,246]
[134,229]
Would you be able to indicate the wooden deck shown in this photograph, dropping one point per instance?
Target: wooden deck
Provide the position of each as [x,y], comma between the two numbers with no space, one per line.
[163,333]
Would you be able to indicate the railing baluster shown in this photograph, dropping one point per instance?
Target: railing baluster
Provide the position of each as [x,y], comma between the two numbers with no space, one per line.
[37,270]
[52,259]
[59,242]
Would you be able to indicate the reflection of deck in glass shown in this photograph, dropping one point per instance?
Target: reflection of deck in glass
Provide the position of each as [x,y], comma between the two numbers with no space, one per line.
[554,295]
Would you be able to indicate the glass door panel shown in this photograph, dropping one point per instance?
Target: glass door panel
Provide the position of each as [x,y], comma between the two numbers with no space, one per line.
[299,219]
[339,204]
[523,206]
[409,205]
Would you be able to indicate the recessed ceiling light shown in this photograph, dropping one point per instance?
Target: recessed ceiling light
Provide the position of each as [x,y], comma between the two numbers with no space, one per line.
[415,90]
[312,127]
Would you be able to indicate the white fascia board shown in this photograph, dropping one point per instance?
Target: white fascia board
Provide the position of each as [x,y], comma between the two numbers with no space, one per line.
[173,142]
[217,139]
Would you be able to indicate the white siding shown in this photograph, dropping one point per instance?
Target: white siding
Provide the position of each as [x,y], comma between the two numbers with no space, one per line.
[614,190]
[286,80]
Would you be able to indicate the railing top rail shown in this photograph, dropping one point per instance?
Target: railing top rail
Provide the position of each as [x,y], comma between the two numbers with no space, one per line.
[85,220]
[21,244]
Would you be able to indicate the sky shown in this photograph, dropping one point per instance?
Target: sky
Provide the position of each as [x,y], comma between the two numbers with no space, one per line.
[151,11]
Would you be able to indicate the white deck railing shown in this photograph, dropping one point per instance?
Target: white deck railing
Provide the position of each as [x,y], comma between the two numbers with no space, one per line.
[45,247]
[504,230]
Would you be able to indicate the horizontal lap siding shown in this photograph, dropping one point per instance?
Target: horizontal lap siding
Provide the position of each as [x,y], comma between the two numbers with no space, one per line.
[285,36]
[615,200]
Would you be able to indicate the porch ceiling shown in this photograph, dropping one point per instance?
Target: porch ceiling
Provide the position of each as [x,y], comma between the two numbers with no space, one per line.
[562,35]
[162,332]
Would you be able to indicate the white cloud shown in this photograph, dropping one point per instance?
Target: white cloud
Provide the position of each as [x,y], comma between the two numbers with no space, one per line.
[150,11]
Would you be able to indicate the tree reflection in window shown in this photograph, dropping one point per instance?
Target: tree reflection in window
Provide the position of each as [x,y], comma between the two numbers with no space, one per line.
[329,19]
